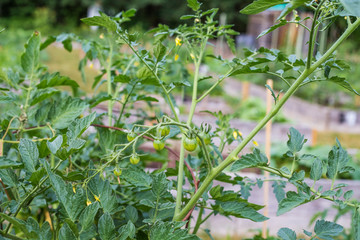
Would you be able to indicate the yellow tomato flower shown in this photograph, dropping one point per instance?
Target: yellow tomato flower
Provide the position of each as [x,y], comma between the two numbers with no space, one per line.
[88,202]
[178,41]
[235,134]
[74,189]
[240,133]
[255,143]
[176,57]
[136,64]
[192,56]
[97,198]
[101,36]
[91,66]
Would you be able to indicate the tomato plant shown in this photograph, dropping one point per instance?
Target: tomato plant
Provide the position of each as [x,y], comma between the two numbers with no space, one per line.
[60,181]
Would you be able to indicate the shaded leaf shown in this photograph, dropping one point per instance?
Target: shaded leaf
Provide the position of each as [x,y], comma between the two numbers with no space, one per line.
[193,4]
[250,160]
[30,58]
[291,201]
[103,20]
[296,140]
[66,233]
[29,154]
[106,227]
[42,94]
[272,28]
[260,5]
[286,234]
[88,215]
[352,7]
[326,230]
[65,111]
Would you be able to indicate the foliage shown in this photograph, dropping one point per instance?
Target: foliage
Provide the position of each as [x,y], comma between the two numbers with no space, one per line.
[69,176]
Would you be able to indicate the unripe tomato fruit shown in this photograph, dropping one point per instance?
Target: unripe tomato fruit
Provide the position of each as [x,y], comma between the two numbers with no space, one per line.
[134,159]
[164,131]
[117,171]
[190,144]
[158,144]
[131,136]
[205,136]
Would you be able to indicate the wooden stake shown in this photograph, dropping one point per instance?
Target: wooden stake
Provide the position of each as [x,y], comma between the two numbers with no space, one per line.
[269,102]
[245,90]
[314,136]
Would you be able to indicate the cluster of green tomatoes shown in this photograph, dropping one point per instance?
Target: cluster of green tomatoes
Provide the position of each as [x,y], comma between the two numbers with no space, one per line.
[192,140]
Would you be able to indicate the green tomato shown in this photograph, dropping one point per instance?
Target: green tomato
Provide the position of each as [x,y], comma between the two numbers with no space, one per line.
[131,136]
[190,144]
[158,144]
[205,136]
[164,131]
[134,159]
[117,171]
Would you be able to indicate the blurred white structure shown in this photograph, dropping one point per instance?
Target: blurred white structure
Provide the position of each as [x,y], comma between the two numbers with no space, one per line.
[93,10]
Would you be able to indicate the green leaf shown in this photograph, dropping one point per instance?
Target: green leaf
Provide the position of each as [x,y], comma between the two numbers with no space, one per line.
[250,160]
[42,94]
[122,78]
[159,51]
[326,230]
[159,184]
[286,234]
[272,28]
[343,83]
[246,69]
[352,6]
[338,158]
[47,42]
[78,126]
[193,4]
[166,230]
[20,224]
[66,233]
[291,201]
[348,194]
[29,154]
[45,231]
[65,111]
[30,58]
[99,99]
[106,227]
[104,191]
[290,7]
[56,144]
[316,169]
[239,210]
[55,79]
[296,140]
[136,177]
[8,163]
[73,203]
[356,224]
[88,215]
[131,214]
[127,230]
[259,6]
[9,177]
[103,20]
[278,190]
